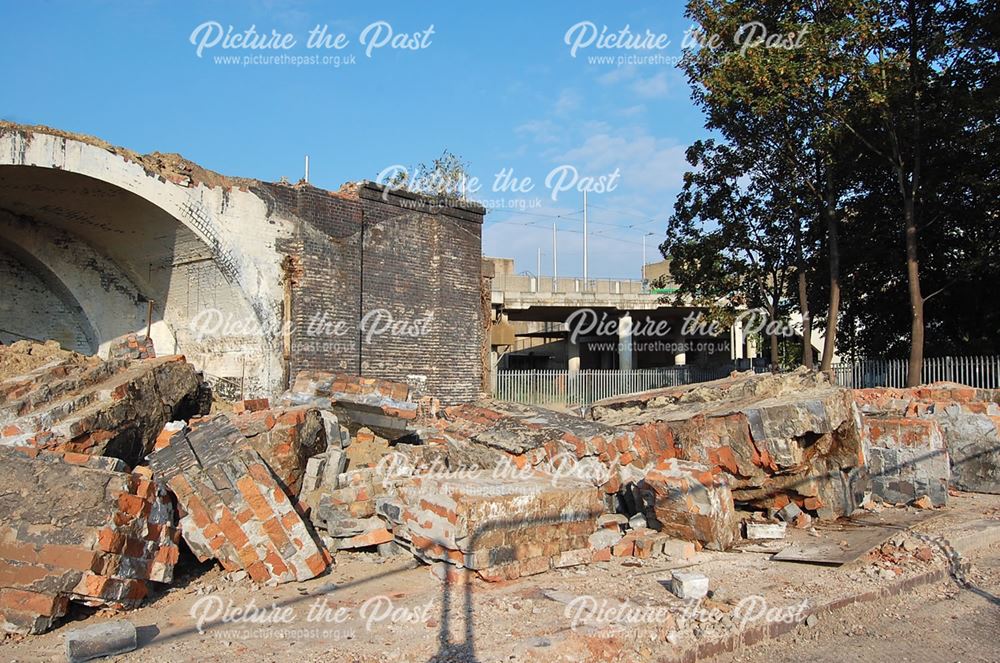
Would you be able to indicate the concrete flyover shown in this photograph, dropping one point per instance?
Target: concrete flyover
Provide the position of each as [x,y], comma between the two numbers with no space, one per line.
[90,235]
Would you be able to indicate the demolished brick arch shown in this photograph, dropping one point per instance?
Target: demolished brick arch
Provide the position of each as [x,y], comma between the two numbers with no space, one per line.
[148,228]
[355,250]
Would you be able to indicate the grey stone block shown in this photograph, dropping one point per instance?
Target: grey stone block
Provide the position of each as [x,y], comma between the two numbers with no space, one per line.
[688,585]
[100,640]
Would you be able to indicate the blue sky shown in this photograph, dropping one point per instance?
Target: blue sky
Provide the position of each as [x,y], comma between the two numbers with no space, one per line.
[495,84]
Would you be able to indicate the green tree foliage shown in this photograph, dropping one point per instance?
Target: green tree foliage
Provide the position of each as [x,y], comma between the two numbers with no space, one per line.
[879,122]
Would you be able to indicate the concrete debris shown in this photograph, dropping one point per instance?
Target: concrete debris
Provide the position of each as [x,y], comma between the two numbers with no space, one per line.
[99,640]
[107,408]
[686,585]
[234,509]
[758,531]
[778,438]
[78,528]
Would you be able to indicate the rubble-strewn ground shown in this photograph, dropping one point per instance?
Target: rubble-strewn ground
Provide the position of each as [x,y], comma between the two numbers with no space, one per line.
[24,356]
[356,519]
[528,620]
[939,622]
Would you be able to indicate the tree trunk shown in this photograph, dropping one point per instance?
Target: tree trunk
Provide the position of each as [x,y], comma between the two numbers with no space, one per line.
[807,348]
[775,358]
[914,375]
[807,354]
[830,342]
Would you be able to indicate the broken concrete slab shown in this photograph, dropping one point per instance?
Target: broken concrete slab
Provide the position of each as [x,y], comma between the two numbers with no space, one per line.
[78,528]
[234,509]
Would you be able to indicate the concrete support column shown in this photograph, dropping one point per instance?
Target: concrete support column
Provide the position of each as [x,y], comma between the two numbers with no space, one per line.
[736,351]
[625,354]
[494,360]
[573,356]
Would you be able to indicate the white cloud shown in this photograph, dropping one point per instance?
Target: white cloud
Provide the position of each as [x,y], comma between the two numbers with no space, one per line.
[653,87]
[617,75]
[569,100]
[632,111]
[649,165]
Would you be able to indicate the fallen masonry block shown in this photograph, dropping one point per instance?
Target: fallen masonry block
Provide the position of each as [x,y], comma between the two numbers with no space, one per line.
[689,502]
[678,550]
[77,528]
[973,442]
[638,521]
[131,346]
[613,521]
[969,420]
[493,434]
[234,509]
[113,408]
[765,530]
[907,458]
[789,512]
[352,498]
[339,526]
[251,405]
[604,538]
[686,585]
[286,438]
[98,640]
[776,437]
[501,528]
[385,407]
[374,537]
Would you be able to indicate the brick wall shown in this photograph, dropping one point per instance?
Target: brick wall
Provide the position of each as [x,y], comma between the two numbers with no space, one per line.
[361,259]
[30,308]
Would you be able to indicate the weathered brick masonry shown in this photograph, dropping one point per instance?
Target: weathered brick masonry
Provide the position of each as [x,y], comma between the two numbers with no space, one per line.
[361,251]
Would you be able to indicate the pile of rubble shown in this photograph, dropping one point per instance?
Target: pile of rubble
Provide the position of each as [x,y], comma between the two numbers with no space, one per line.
[775,439]
[488,489]
[81,528]
[920,441]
